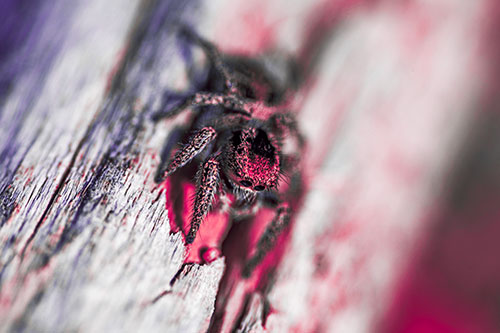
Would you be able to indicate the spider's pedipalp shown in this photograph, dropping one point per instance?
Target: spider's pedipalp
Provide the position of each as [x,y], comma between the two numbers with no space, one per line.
[206,189]
[268,239]
[195,145]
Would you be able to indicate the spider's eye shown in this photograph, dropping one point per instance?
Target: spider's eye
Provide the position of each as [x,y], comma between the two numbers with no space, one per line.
[262,146]
[246,183]
[259,188]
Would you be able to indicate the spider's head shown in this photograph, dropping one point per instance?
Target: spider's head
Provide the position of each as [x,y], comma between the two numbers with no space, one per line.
[253,160]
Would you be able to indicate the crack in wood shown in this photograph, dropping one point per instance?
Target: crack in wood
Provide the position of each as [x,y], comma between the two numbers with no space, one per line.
[160,295]
[184,270]
[56,193]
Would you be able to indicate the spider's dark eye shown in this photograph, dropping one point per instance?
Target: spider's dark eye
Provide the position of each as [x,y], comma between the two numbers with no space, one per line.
[246,183]
[262,146]
[259,188]
[236,139]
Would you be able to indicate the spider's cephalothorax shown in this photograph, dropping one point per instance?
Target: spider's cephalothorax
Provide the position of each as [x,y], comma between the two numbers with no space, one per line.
[252,160]
[241,130]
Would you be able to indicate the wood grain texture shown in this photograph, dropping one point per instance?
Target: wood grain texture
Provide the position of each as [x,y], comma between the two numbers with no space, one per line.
[86,237]
[86,242]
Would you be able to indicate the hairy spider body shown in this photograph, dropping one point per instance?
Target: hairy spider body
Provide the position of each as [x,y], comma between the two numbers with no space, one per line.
[239,135]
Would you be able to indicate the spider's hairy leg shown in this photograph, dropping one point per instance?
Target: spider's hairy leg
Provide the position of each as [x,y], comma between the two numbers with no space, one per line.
[213,54]
[206,188]
[268,239]
[171,105]
[200,99]
[196,144]
[285,124]
[228,122]
[230,102]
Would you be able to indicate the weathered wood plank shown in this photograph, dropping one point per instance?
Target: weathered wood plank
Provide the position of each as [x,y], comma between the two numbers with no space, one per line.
[88,227]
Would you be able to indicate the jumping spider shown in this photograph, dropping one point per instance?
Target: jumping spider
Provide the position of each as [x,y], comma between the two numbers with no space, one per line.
[247,139]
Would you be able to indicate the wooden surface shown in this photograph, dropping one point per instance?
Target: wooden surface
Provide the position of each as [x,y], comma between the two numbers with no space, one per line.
[86,242]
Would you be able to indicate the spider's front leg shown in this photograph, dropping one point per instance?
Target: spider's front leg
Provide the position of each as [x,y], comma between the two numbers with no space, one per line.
[206,188]
[196,144]
[268,239]
[232,103]
[284,124]
[214,55]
